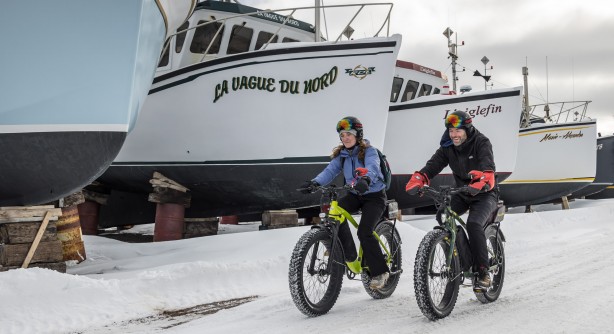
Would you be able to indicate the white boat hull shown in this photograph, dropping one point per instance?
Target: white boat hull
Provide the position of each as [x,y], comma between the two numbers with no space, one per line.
[243,145]
[415,129]
[554,160]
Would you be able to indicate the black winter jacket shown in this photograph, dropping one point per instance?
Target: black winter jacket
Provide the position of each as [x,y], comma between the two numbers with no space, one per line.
[474,154]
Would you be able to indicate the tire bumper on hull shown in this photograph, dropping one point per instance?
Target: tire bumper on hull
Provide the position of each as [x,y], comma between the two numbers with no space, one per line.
[42,167]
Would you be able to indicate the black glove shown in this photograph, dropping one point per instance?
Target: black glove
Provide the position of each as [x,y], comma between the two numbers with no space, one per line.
[308,187]
[362,185]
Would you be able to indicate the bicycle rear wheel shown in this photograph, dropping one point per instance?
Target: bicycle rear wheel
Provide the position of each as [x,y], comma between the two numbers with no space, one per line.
[435,285]
[391,239]
[314,284]
[496,256]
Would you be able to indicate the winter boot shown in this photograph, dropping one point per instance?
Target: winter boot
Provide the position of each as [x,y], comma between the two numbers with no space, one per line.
[483,280]
[379,281]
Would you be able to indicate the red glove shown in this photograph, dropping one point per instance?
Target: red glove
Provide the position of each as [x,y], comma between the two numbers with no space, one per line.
[416,181]
[481,181]
[360,172]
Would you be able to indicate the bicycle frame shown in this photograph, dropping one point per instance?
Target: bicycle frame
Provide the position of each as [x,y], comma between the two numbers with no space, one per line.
[450,222]
[335,216]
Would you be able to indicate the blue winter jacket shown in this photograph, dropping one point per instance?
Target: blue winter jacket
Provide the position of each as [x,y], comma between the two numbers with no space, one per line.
[350,163]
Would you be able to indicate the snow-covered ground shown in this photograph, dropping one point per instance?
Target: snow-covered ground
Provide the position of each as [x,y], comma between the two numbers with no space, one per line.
[558,280]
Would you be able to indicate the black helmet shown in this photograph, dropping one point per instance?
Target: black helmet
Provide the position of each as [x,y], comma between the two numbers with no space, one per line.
[459,120]
[352,125]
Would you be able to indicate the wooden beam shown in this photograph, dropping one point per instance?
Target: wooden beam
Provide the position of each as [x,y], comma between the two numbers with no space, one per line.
[37,239]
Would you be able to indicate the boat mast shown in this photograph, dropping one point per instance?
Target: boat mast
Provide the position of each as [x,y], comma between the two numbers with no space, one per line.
[525,107]
[452,54]
[317,20]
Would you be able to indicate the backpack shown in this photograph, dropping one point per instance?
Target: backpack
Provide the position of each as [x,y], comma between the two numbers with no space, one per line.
[383,165]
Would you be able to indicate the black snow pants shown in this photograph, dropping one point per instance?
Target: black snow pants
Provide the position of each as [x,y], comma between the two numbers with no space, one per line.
[480,207]
[372,206]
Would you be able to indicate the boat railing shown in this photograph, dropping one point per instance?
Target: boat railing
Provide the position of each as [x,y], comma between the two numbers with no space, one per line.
[292,10]
[560,112]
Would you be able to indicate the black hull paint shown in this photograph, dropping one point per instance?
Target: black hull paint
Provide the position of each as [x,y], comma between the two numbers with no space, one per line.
[591,189]
[605,166]
[39,168]
[229,189]
[216,189]
[535,193]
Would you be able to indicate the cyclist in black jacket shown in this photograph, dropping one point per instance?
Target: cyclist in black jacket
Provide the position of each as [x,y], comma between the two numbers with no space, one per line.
[469,154]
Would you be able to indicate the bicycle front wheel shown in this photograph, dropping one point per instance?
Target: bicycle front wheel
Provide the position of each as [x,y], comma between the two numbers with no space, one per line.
[436,286]
[496,257]
[315,282]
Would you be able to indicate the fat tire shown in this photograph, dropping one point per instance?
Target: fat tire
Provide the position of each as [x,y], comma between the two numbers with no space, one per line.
[430,258]
[388,234]
[326,284]
[496,253]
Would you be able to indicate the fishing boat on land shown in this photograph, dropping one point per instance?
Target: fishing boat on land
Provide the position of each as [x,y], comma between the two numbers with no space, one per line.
[415,127]
[242,110]
[556,153]
[74,78]
[605,168]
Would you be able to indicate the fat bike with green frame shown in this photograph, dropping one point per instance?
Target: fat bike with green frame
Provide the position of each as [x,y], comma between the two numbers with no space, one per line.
[318,263]
[443,259]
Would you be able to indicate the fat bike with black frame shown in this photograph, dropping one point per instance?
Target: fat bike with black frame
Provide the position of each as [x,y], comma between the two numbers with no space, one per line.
[443,260]
[318,263]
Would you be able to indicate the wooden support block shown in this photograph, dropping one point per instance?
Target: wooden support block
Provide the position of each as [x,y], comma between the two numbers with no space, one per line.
[170,196]
[163,181]
[565,203]
[96,197]
[71,200]
[199,227]
[280,218]
[19,233]
[17,214]
[14,255]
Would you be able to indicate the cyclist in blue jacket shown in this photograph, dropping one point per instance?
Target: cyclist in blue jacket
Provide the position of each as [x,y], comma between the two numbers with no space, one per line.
[360,165]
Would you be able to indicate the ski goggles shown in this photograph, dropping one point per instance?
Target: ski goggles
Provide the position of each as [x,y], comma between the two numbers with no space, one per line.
[456,121]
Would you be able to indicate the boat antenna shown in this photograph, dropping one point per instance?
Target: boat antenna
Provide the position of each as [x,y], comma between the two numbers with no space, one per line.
[525,108]
[547,107]
[452,48]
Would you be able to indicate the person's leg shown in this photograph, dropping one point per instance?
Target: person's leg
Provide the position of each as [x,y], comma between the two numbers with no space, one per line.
[373,206]
[482,206]
[351,204]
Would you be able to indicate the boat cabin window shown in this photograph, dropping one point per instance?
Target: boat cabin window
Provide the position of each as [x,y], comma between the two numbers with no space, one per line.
[164,60]
[425,90]
[410,91]
[397,83]
[263,38]
[436,91]
[180,38]
[203,36]
[288,40]
[240,38]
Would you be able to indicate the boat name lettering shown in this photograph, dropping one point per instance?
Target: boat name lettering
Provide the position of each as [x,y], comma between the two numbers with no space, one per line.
[478,111]
[269,84]
[321,82]
[278,18]
[359,71]
[568,135]
[427,70]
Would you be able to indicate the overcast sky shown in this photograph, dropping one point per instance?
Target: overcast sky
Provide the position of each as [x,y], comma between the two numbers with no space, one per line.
[568,46]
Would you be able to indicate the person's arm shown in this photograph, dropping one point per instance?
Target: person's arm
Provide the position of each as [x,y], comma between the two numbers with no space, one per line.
[486,158]
[436,164]
[372,163]
[330,172]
